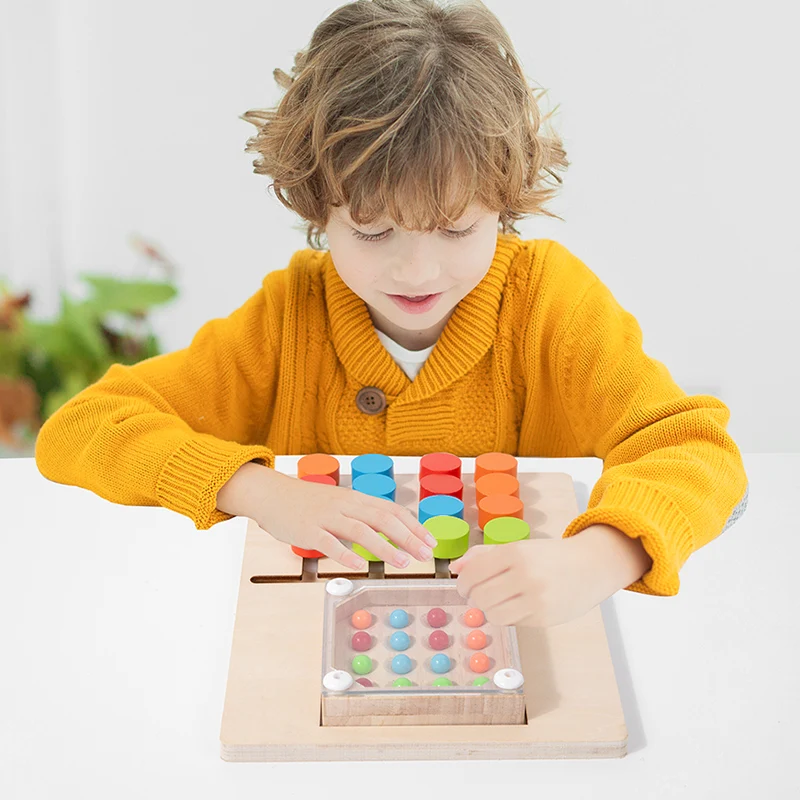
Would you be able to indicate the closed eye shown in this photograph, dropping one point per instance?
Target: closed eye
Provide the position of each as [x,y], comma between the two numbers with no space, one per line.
[376,237]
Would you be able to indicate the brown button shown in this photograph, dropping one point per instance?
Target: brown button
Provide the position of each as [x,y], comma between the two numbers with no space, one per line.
[371,400]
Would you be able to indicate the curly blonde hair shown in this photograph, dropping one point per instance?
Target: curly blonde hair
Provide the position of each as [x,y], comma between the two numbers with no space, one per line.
[411,110]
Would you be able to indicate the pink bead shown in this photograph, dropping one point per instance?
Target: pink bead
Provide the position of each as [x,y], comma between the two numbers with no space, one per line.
[437,618]
[439,640]
[361,641]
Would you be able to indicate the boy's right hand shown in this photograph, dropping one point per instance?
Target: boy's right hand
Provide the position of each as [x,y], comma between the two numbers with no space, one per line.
[315,516]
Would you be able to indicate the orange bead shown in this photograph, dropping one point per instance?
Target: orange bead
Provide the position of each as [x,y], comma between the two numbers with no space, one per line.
[361,619]
[319,464]
[479,662]
[495,462]
[498,505]
[476,640]
[496,483]
[474,617]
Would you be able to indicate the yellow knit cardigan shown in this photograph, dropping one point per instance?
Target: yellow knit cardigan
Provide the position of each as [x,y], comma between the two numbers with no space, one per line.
[538,360]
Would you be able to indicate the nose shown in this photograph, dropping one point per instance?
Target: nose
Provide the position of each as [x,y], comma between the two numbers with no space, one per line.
[416,268]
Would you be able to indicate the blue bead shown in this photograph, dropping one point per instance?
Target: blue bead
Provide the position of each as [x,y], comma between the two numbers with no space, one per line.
[440,505]
[372,464]
[398,618]
[401,664]
[375,485]
[399,640]
[440,663]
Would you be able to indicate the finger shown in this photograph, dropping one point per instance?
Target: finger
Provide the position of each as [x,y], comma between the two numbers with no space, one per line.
[511,612]
[457,565]
[386,519]
[327,543]
[485,564]
[497,590]
[354,530]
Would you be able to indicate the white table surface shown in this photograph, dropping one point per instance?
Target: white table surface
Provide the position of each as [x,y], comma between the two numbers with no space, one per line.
[117,626]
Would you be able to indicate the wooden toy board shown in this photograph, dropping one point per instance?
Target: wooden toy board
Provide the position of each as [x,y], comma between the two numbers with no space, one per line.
[273,704]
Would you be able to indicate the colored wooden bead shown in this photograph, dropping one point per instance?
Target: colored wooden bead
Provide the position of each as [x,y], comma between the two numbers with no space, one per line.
[440,464]
[402,682]
[320,464]
[481,680]
[440,505]
[398,618]
[442,681]
[441,484]
[372,464]
[496,483]
[361,641]
[401,664]
[399,640]
[440,663]
[437,618]
[498,505]
[361,619]
[503,530]
[474,617]
[362,665]
[438,640]
[495,462]
[451,534]
[364,681]
[479,662]
[476,640]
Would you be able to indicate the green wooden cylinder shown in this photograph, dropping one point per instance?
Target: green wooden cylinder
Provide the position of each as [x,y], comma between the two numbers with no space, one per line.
[452,535]
[503,530]
[364,553]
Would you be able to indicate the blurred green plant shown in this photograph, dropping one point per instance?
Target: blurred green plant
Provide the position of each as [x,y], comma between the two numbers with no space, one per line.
[61,357]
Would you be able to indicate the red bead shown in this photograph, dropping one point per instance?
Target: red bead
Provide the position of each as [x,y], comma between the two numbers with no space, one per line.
[437,618]
[364,681]
[439,640]
[361,641]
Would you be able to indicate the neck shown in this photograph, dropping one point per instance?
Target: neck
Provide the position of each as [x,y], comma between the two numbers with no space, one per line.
[411,340]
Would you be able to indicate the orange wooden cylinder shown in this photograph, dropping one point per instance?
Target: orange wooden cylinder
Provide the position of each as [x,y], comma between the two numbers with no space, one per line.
[319,464]
[495,462]
[496,483]
[498,505]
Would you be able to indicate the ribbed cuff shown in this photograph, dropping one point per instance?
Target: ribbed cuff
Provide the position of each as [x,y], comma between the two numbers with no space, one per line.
[197,470]
[643,511]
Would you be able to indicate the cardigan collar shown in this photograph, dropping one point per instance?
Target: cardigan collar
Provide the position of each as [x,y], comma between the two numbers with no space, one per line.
[466,338]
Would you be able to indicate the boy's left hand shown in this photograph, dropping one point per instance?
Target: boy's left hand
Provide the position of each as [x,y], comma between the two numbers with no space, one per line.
[544,582]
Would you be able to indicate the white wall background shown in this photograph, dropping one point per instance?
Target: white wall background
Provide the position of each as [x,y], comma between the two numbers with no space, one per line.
[679,118]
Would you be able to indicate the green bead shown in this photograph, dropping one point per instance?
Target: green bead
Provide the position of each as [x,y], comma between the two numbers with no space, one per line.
[503,530]
[362,665]
[402,682]
[443,682]
[364,553]
[480,681]
[452,535]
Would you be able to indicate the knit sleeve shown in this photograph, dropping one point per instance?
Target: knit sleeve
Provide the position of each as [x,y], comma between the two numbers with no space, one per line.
[173,429]
[672,475]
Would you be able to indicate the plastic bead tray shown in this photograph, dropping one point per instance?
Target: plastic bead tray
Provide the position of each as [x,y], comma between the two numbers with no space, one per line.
[500,700]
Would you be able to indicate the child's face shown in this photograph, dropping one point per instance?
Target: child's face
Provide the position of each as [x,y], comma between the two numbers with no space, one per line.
[437,268]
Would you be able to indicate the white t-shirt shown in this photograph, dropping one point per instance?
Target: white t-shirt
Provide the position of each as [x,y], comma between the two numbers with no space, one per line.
[410,361]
